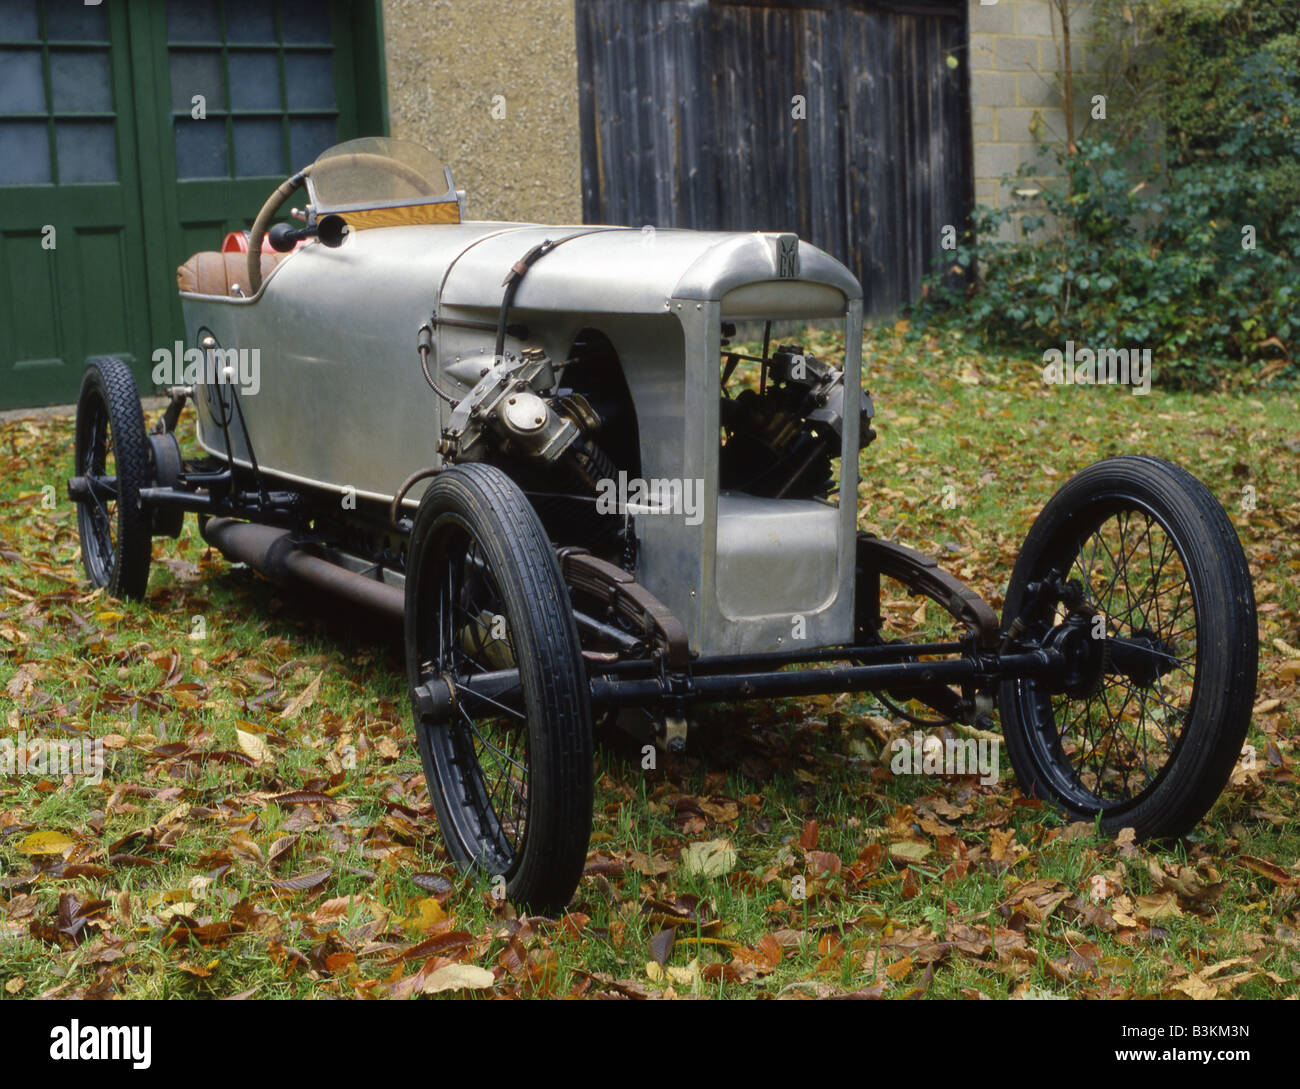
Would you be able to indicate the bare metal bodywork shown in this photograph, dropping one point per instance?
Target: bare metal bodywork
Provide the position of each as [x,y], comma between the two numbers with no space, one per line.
[342,403]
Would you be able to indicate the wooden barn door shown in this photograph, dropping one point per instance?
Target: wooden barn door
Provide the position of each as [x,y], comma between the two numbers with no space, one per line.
[842,120]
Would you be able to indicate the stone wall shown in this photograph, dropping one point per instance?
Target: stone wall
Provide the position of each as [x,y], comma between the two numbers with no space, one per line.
[492,87]
[1015,62]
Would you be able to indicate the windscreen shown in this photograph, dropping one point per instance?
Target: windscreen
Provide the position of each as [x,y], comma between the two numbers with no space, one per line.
[376,170]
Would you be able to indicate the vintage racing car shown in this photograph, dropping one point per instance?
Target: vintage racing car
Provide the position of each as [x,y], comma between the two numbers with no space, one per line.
[534,445]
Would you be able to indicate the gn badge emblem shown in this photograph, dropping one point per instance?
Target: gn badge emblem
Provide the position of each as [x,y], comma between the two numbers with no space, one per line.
[787,256]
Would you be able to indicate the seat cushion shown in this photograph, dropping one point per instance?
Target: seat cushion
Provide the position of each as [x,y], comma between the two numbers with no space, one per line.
[213,273]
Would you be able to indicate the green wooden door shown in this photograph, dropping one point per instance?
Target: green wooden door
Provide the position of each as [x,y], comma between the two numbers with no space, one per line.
[72,256]
[250,91]
[208,104]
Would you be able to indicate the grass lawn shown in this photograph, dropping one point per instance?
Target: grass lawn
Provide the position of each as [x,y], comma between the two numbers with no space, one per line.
[262,825]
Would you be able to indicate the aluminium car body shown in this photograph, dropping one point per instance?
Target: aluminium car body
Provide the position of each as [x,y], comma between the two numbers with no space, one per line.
[737,577]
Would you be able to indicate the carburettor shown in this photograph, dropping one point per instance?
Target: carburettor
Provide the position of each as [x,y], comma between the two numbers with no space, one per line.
[512,408]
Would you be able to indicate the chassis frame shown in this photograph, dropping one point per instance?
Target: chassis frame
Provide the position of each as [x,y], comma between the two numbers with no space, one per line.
[254,519]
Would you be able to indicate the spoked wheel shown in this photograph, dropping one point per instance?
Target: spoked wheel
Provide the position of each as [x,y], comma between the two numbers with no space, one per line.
[1134,574]
[510,775]
[112,453]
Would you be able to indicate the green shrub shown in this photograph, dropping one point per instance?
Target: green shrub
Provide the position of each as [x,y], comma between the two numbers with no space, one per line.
[1197,259]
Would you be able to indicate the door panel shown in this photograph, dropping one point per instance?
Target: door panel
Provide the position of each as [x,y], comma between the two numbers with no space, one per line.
[70,225]
[278,88]
[688,118]
[99,139]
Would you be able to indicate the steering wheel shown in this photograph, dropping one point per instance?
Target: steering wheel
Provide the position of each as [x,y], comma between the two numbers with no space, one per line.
[290,185]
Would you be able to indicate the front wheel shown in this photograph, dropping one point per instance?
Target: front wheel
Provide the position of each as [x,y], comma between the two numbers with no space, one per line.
[511,778]
[1133,574]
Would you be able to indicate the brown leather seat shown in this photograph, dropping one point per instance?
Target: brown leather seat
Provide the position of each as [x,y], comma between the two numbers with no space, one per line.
[213,273]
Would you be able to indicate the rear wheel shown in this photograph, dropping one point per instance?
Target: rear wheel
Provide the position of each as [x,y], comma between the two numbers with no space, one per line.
[112,452]
[510,778]
[1134,573]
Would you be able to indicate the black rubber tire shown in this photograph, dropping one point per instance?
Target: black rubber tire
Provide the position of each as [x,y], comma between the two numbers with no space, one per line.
[1198,762]
[109,419]
[477,511]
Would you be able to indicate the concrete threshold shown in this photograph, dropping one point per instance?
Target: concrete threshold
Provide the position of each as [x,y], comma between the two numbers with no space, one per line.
[8,415]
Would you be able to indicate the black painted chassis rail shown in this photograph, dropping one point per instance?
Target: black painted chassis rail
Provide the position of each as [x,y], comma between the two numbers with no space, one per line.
[732,678]
[665,678]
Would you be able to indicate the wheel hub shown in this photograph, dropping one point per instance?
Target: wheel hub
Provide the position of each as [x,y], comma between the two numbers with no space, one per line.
[1085,657]
[1142,657]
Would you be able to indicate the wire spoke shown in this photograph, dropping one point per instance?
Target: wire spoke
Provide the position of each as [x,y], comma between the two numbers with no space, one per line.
[1134,577]
[488,736]
[501,706]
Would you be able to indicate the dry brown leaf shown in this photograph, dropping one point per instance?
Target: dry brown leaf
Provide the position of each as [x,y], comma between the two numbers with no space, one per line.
[1267,869]
[45,843]
[1160,905]
[305,882]
[303,699]
[253,746]
[244,844]
[458,977]
[1196,987]
[1289,670]
[649,865]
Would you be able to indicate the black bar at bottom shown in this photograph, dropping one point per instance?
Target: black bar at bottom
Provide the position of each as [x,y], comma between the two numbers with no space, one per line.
[500,688]
[810,682]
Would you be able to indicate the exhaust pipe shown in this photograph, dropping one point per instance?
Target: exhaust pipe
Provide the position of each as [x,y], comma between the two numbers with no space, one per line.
[286,562]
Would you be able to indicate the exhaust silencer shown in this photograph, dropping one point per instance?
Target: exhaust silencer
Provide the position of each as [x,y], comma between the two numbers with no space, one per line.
[286,562]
